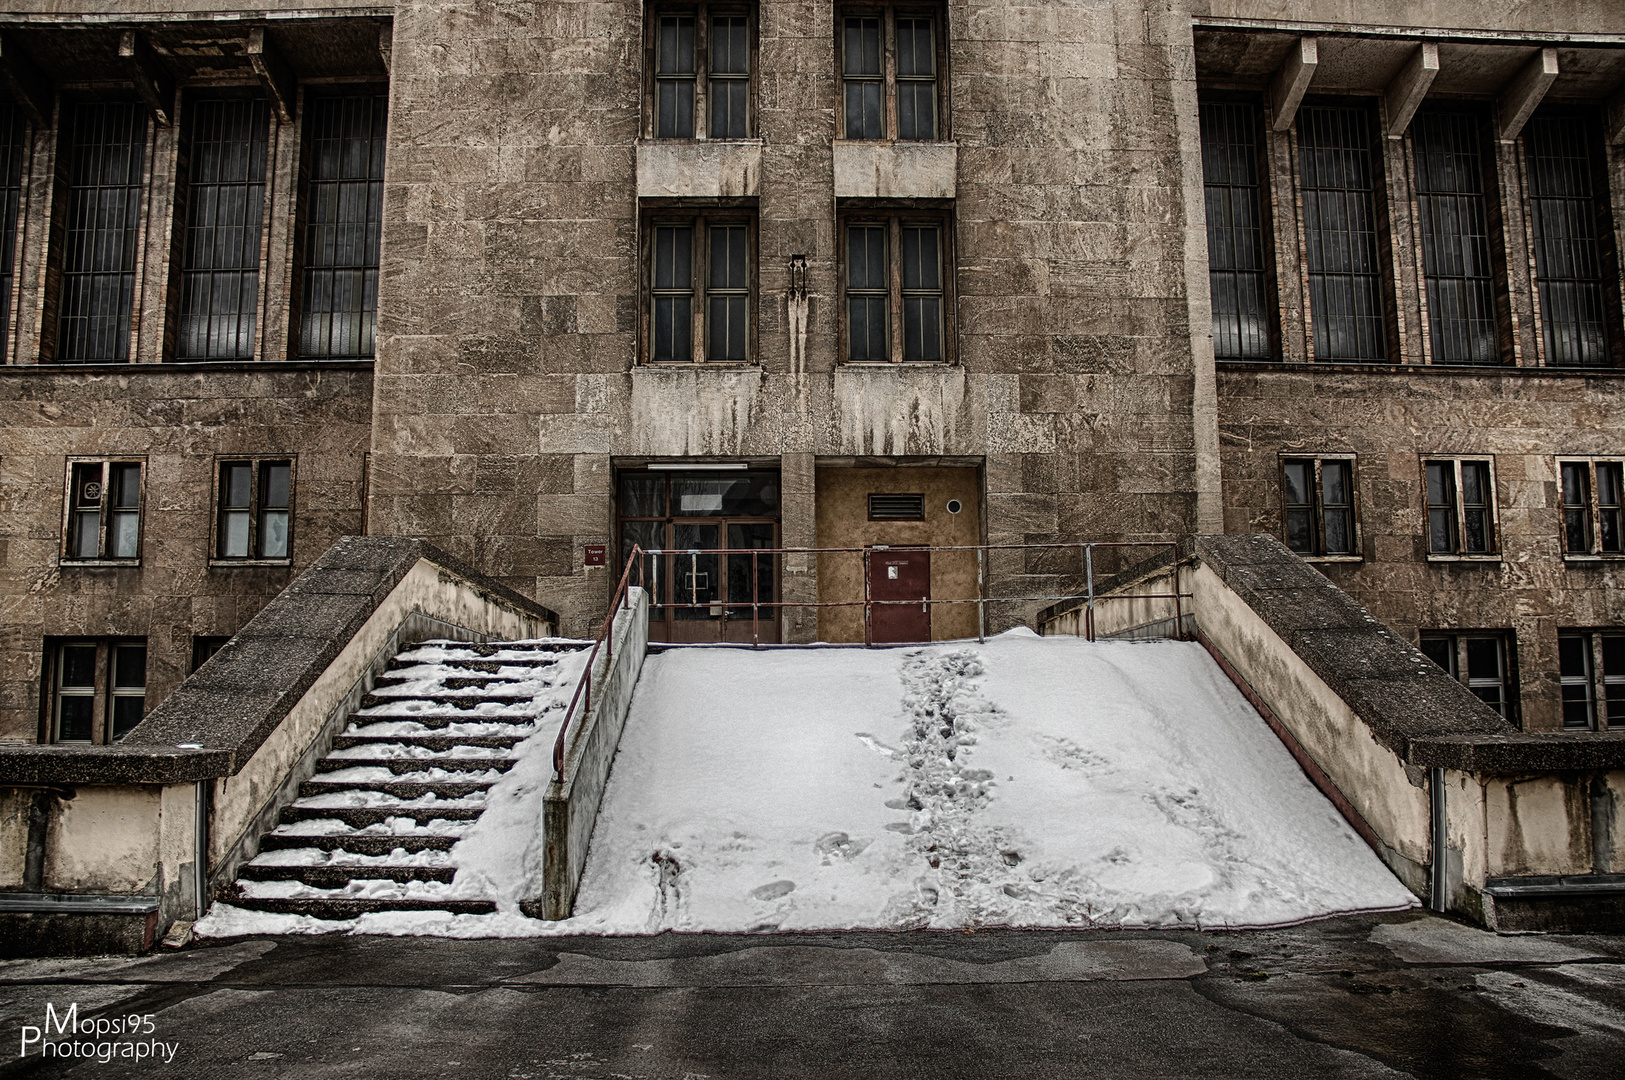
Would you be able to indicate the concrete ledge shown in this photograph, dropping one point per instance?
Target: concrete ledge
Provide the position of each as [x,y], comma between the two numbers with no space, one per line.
[902,170]
[704,169]
[570,807]
[1573,904]
[1522,752]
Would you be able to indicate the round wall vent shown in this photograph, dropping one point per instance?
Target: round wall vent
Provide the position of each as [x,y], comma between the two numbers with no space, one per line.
[955,506]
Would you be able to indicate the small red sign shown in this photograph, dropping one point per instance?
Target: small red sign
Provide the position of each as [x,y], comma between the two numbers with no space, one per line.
[597,555]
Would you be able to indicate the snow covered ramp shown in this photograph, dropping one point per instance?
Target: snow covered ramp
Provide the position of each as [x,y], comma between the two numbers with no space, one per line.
[1025,782]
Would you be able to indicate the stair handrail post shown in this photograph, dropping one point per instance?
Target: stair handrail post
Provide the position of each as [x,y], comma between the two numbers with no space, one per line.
[1089,577]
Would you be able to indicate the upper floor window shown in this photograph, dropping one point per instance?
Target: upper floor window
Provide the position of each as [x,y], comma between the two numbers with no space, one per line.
[702,71]
[343,214]
[890,58]
[1451,201]
[1591,492]
[98,689]
[896,270]
[1461,508]
[701,279]
[13,147]
[104,511]
[1337,161]
[1235,232]
[225,209]
[1318,494]
[104,143]
[1569,227]
[255,507]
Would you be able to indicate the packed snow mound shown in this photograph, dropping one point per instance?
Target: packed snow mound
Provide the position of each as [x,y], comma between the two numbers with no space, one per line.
[1036,782]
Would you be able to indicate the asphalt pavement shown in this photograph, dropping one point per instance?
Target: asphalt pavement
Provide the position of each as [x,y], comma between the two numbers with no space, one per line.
[1382,996]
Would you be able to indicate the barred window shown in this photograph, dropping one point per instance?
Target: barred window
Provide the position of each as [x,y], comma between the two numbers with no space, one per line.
[343,213]
[711,323]
[1318,497]
[1235,234]
[1340,210]
[890,75]
[702,68]
[896,270]
[105,146]
[1564,214]
[12,149]
[225,208]
[1450,197]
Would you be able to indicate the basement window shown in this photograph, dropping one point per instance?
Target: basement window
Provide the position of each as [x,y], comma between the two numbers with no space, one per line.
[1477,660]
[103,513]
[1460,509]
[98,689]
[1591,493]
[886,506]
[1591,668]
[1317,497]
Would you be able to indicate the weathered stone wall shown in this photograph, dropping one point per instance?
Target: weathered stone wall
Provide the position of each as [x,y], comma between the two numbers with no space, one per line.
[178,419]
[508,376]
[1389,419]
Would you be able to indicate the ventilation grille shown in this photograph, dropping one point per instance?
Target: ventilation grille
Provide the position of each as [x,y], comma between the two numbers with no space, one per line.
[890,507]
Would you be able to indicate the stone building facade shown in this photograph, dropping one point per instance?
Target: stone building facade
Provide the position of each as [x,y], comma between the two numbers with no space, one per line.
[701,275]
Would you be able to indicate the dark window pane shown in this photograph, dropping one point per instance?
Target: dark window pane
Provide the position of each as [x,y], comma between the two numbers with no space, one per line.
[861,55]
[729,118]
[730,46]
[1340,233]
[1610,528]
[1568,263]
[274,477]
[920,259]
[1613,656]
[643,495]
[126,486]
[129,666]
[1573,658]
[225,205]
[106,153]
[917,111]
[1442,651]
[127,711]
[1476,503]
[74,719]
[864,113]
[675,52]
[728,265]
[1234,232]
[1483,658]
[234,484]
[870,336]
[922,328]
[1577,707]
[1455,238]
[726,328]
[866,257]
[79,665]
[1441,507]
[673,330]
[674,109]
[343,215]
[12,149]
[674,257]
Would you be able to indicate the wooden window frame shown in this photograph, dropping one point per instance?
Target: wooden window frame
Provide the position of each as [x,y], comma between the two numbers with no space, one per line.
[889,13]
[700,220]
[101,694]
[256,509]
[703,13]
[1458,552]
[102,558]
[1506,656]
[1593,551]
[895,219]
[1319,554]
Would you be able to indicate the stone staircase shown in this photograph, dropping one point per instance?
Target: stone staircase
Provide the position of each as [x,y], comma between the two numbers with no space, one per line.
[373,829]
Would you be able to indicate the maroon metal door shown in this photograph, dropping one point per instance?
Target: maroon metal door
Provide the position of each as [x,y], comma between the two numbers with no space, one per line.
[899,575]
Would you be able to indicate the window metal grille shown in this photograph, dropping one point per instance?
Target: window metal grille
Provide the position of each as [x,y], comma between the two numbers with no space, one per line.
[1235,235]
[916,80]
[106,150]
[1455,238]
[868,288]
[11,183]
[863,70]
[728,88]
[1568,264]
[922,293]
[1340,233]
[727,294]
[887,506]
[1319,502]
[224,213]
[343,213]
[675,76]
[673,293]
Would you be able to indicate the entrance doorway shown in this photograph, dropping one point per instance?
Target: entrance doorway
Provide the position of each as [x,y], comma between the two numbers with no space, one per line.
[704,597]
[893,576]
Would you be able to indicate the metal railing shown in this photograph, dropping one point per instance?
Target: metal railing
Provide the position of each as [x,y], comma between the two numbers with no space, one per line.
[641,558]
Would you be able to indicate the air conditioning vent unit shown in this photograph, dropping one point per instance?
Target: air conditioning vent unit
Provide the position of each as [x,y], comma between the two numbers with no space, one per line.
[887,506]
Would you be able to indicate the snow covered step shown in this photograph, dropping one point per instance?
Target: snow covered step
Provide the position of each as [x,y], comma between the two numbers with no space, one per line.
[355,740]
[439,677]
[338,909]
[540,660]
[401,789]
[510,696]
[358,843]
[361,816]
[337,876]
[476,719]
[381,757]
